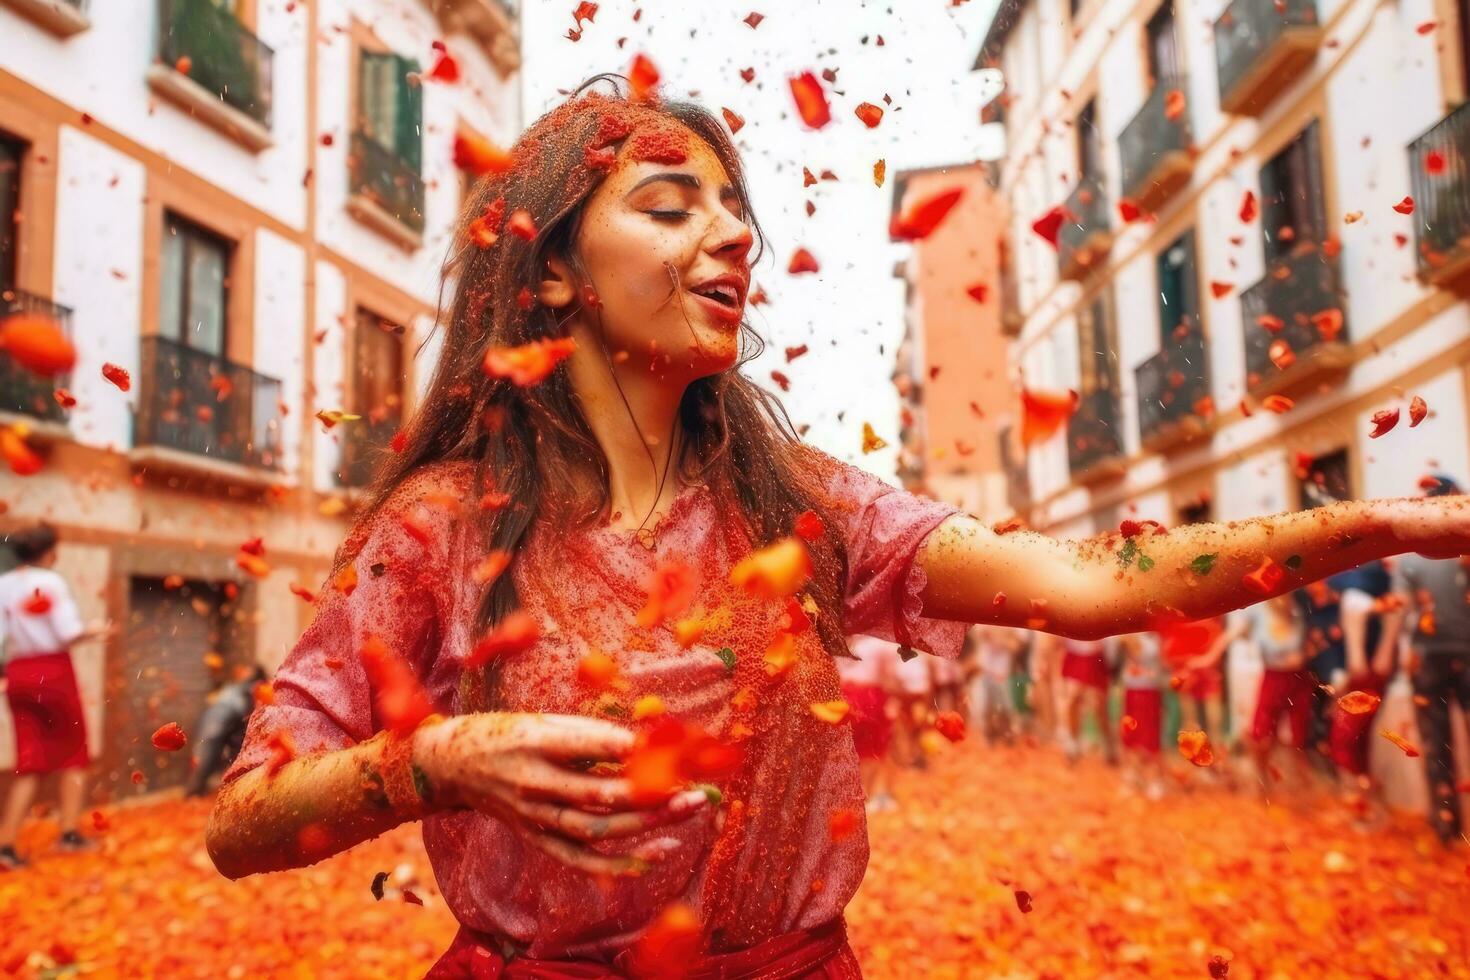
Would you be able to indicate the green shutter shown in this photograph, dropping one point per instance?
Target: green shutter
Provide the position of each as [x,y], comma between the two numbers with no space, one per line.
[408,134]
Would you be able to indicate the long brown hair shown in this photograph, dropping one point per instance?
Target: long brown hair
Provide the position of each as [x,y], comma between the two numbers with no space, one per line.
[525,441]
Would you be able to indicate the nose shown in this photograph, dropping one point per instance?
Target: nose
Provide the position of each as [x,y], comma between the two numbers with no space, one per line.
[729,238]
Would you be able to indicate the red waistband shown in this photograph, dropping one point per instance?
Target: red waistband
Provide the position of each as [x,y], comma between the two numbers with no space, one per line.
[475,956]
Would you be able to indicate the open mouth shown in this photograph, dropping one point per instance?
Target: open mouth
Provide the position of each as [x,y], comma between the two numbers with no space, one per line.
[726,296]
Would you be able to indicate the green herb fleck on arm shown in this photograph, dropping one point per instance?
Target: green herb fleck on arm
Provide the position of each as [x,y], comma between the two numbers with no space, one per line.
[1203,564]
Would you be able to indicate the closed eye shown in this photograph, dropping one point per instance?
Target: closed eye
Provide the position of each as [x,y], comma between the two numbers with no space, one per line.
[668,215]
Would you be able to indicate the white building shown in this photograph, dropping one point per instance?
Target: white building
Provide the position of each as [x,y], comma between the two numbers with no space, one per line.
[244,204]
[1266,143]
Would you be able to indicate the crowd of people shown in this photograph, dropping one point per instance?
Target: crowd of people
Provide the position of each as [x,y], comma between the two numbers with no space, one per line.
[1324,655]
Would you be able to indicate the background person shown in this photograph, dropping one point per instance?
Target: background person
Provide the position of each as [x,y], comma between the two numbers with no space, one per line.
[39,624]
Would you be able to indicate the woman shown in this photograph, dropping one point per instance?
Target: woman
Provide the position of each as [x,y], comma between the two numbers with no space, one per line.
[39,624]
[645,457]
[1288,686]
[864,679]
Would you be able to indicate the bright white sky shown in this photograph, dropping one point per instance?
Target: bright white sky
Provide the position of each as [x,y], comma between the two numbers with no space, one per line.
[851,312]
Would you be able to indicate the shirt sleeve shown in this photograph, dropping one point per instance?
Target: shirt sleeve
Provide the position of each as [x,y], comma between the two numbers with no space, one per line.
[322,698]
[883,528]
[66,618]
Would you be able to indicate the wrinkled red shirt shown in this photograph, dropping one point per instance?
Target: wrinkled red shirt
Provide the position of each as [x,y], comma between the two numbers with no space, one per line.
[585,586]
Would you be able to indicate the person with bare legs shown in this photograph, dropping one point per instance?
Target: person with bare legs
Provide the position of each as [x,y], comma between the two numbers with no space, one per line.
[1085,680]
[864,681]
[39,623]
[1287,686]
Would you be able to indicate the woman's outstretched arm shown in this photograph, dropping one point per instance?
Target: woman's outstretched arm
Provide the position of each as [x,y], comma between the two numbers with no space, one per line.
[1109,584]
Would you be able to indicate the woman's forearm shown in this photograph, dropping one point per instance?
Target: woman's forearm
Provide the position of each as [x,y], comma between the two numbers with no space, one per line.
[1108,584]
[312,807]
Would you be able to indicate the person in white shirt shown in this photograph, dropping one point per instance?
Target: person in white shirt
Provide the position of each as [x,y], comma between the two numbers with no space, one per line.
[39,623]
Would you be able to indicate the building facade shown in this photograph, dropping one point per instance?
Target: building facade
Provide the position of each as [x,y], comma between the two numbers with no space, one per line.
[244,204]
[951,372]
[1251,198]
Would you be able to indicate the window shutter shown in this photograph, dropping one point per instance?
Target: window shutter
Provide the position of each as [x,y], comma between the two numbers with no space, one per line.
[376,103]
[408,135]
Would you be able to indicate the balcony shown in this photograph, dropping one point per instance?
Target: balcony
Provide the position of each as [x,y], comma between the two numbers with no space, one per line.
[387,192]
[492,23]
[1094,438]
[1156,148]
[202,415]
[1261,47]
[364,444]
[1171,386]
[21,391]
[61,17]
[1304,340]
[1440,176]
[214,69]
[1086,234]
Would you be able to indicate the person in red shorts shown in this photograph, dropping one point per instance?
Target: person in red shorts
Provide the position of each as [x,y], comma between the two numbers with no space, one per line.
[1370,618]
[1085,680]
[1200,682]
[1287,686]
[864,687]
[1143,712]
[39,624]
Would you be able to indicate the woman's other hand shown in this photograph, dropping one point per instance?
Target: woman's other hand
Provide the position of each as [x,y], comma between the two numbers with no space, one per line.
[524,769]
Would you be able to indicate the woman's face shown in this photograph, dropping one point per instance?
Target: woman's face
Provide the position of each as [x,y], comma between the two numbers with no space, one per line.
[655,239]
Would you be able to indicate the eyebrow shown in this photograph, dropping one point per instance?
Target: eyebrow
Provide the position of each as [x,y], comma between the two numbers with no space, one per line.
[674,176]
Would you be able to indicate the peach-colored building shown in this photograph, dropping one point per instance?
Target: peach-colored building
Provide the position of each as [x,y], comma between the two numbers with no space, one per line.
[244,205]
[951,371]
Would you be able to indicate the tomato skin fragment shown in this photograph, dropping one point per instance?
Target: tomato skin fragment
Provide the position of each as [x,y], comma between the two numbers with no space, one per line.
[169,738]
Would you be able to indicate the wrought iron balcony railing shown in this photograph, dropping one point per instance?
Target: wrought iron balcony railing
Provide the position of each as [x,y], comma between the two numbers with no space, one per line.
[1294,322]
[387,180]
[200,403]
[1154,149]
[1172,388]
[1261,46]
[1439,169]
[22,391]
[1086,233]
[1094,433]
[199,39]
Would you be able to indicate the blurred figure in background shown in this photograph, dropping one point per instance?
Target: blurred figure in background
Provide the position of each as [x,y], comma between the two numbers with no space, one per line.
[1143,712]
[1369,621]
[1085,680]
[1288,687]
[992,705]
[1200,678]
[39,624]
[1434,593]
[864,687]
[911,688]
[1044,668]
[221,728]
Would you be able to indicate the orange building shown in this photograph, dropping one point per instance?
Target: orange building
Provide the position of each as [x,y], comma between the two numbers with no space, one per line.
[951,371]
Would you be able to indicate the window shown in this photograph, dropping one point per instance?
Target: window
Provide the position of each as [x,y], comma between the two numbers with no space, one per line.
[1292,209]
[1178,290]
[1198,511]
[1099,362]
[1089,143]
[11,152]
[1163,46]
[377,353]
[1325,480]
[390,108]
[192,309]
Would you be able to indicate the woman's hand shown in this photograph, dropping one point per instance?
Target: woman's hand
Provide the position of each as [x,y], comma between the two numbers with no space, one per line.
[522,768]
